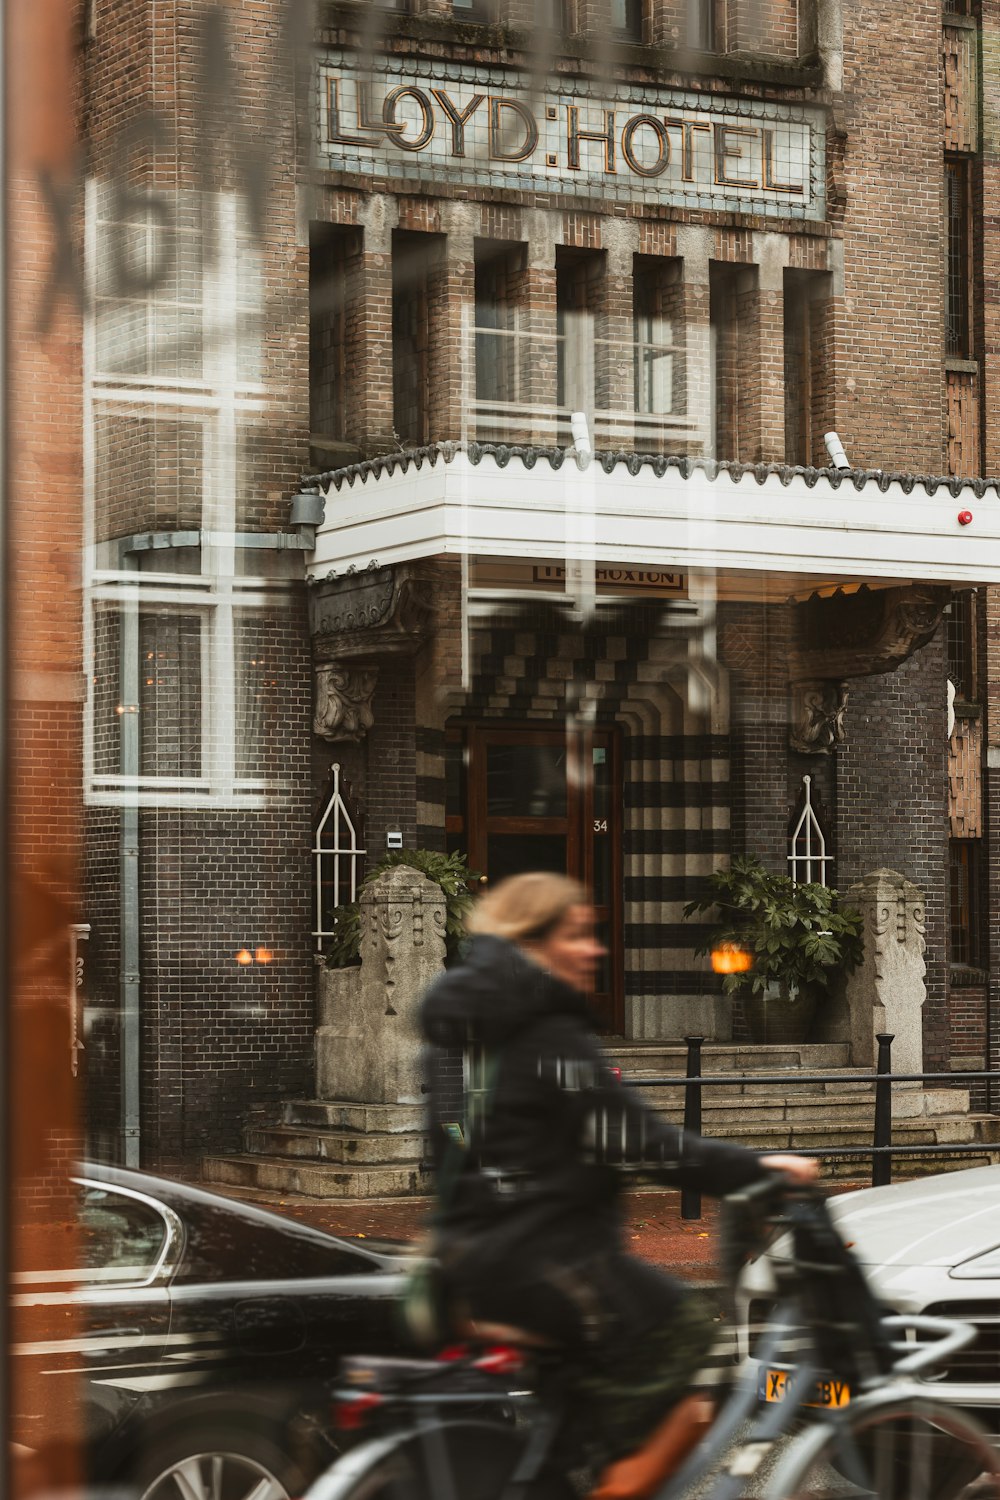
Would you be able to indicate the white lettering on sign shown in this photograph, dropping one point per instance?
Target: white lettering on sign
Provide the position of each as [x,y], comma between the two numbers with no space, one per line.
[466,124]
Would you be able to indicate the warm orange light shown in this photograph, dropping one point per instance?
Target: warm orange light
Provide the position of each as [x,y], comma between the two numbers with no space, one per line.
[731,960]
[244,957]
[263,955]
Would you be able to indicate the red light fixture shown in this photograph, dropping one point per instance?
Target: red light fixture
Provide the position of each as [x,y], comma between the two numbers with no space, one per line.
[964,517]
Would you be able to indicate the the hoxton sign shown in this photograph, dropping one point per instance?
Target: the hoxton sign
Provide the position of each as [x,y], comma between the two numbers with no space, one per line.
[480,125]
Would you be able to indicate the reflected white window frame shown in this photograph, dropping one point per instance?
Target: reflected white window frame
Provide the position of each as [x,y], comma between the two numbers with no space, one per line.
[219,783]
[218,398]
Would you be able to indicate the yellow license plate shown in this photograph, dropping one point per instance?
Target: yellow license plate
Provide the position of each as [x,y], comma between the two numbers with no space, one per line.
[827,1392]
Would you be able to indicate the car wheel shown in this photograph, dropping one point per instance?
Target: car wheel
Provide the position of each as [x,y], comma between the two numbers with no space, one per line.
[216,1465]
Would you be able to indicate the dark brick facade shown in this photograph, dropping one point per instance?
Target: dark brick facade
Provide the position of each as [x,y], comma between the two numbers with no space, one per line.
[345,265]
[891,790]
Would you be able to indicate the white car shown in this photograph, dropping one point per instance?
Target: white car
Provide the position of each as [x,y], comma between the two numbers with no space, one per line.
[928,1246]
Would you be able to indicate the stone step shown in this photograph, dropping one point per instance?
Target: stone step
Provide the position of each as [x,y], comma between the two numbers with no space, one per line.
[343,1146]
[323,1178]
[369,1119]
[814,1135]
[745,1109]
[318,1179]
[750,1089]
[770,1103]
[740,1085]
[729,1057]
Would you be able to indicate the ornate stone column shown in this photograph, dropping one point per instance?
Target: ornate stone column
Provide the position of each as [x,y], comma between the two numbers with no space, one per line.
[368,1049]
[887,992]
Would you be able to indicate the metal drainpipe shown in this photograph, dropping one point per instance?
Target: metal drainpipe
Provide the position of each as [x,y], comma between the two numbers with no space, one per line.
[130,984]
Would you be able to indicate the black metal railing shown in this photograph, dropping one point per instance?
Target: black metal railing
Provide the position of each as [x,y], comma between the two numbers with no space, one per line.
[882,1150]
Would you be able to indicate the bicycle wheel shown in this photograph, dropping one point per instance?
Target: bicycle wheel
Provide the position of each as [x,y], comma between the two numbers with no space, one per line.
[476,1461]
[904,1450]
[393,1479]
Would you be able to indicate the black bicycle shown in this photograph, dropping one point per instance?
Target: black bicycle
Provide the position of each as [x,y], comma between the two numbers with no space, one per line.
[829,1410]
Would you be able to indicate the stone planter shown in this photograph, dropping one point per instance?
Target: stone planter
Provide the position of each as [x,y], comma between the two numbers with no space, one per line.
[774,1016]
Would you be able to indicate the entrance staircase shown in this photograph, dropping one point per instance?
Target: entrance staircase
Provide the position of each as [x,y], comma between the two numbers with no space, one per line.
[318,1149]
[326,1150]
[792,1114]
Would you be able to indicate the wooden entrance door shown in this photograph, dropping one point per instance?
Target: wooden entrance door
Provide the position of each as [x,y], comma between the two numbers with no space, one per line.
[544,799]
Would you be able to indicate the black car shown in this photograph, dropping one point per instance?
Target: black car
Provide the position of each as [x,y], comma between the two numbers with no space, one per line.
[200,1336]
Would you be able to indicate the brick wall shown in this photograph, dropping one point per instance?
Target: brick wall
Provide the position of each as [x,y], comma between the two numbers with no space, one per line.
[888,349]
[753,644]
[233,307]
[391,800]
[892,807]
[968,998]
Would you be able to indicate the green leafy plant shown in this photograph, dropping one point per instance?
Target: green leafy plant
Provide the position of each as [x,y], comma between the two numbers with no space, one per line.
[796,935]
[449,871]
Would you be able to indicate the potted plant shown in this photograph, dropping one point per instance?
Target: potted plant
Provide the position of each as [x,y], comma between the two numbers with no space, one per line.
[778,944]
[449,871]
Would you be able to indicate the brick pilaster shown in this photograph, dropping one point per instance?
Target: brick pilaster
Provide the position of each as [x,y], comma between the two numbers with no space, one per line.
[665,23]
[771,253]
[990,159]
[892,805]
[368,331]
[533,291]
[615,329]
[768,27]
[694,332]
[451,299]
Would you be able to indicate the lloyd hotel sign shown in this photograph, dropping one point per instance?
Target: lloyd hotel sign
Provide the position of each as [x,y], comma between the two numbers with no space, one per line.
[472,125]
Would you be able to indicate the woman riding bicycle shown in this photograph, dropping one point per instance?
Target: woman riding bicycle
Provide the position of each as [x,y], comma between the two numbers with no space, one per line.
[528,1225]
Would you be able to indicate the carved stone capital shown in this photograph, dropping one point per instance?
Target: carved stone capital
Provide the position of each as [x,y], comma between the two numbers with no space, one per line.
[868,631]
[343,701]
[817,723]
[377,612]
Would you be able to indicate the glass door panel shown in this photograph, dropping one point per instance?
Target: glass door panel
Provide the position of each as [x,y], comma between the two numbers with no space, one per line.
[543,799]
[514,853]
[526,780]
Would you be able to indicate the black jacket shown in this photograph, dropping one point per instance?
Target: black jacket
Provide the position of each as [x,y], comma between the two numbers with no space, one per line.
[541,1174]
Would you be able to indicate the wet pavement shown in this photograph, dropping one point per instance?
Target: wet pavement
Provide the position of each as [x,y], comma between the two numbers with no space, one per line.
[654,1226]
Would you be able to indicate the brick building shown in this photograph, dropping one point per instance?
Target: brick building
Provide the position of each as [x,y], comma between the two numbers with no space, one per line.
[456,415]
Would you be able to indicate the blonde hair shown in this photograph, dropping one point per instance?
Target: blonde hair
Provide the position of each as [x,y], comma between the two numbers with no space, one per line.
[525,908]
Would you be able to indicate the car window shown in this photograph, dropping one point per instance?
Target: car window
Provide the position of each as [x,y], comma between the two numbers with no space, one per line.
[120,1238]
[226,1244]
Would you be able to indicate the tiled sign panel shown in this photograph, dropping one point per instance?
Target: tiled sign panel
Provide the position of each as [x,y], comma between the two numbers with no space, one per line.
[418,120]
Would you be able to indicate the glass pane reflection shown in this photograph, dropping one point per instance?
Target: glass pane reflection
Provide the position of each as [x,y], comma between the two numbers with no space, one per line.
[526,781]
[512,853]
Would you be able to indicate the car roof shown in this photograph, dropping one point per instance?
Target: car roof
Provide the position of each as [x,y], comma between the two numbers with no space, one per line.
[176,1194]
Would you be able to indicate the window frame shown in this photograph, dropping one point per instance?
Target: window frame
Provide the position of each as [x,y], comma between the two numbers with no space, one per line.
[966,920]
[173,1239]
[219,401]
[959,288]
[632,26]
